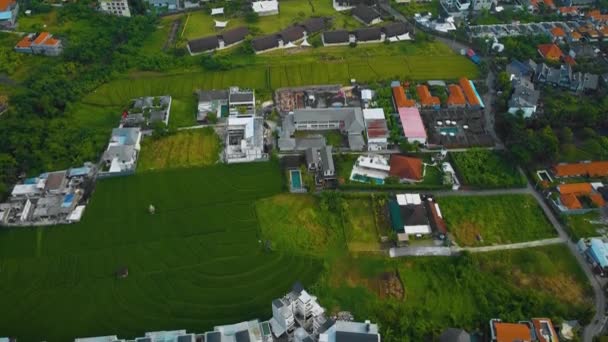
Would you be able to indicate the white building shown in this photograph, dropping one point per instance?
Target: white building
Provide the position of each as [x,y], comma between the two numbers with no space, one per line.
[116,7]
[370,168]
[123,150]
[376,129]
[264,8]
[344,331]
[241,102]
[244,140]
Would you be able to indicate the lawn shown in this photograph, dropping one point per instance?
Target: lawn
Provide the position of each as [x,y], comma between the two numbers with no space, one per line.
[296,223]
[581,226]
[461,291]
[191,148]
[413,7]
[183,111]
[360,225]
[194,264]
[495,219]
[481,168]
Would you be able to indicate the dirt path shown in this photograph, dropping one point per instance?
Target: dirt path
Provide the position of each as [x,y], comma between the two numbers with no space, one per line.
[172,34]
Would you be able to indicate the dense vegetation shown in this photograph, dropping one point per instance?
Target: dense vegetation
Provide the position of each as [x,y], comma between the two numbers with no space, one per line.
[193,264]
[487,169]
[36,134]
[488,220]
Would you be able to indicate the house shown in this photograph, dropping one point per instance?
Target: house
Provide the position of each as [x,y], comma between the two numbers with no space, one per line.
[544,330]
[9,9]
[426,99]
[347,120]
[597,252]
[590,82]
[456,98]
[413,127]
[550,52]
[267,43]
[328,169]
[147,111]
[221,41]
[241,102]
[596,15]
[170,5]
[400,100]
[396,32]
[455,335]
[123,150]
[265,7]
[347,331]
[56,182]
[41,43]
[244,140]
[313,159]
[575,37]
[568,11]
[293,34]
[369,35]
[509,332]
[595,169]
[376,129]
[115,7]
[473,98]
[524,98]
[479,5]
[557,34]
[211,101]
[338,37]
[367,15]
[344,5]
[409,217]
[370,169]
[406,169]
[579,197]
[314,25]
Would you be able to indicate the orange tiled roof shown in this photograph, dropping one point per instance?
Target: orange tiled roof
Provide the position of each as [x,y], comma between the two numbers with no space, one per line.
[534,3]
[604,31]
[405,167]
[25,42]
[401,99]
[570,201]
[426,99]
[468,92]
[576,35]
[568,10]
[549,3]
[41,38]
[592,169]
[4,4]
[569,60]
[558,32]
[597,15]
[597,199]
[456,97]
[51,42]
[550,51]
[509,332]
[575,188]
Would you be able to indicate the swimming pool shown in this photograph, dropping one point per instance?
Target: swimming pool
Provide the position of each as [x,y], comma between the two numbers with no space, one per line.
[295,178]
[449,130]
[365,179]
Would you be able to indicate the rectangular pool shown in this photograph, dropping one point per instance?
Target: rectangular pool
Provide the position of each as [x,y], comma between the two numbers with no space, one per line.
[449,130]
[295,179]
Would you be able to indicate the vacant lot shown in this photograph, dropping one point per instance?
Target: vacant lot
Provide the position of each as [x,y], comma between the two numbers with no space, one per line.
[487,169]
[462,291]
[194,264]
[585,226]
[360,225]
[488,220]
[197,147]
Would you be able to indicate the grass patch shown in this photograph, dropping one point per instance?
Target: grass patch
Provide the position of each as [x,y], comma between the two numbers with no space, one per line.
[413,7]
[296,223]
[483,168]
[197,147]
[580,226]
[360,225]
[497,219]
[461,291]
[183,112]
[203,237]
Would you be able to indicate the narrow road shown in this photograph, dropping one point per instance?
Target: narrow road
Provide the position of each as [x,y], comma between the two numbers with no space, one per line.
[520,245]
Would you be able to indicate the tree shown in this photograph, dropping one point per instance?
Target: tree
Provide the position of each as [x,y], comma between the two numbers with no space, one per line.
[252,17]
[566,135]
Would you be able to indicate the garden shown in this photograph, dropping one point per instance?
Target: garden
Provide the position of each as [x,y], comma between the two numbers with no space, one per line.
[585,225]
[179,259]
[189,148]
[481,168]
[490,220]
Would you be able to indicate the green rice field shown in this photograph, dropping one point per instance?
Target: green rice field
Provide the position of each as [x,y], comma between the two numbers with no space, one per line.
[191,266]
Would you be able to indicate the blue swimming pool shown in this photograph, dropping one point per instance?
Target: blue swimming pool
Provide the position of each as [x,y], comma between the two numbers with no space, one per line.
[296,179]
[365,179]
[449,130]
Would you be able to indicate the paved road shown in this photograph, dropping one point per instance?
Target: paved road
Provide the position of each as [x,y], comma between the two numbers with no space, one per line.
[520,245]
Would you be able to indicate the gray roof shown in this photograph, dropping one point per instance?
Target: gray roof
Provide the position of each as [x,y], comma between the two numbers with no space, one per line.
[335,37]
[266,42]
[211,95]
[143,102]
[524,95]
[214,336]
[245,96]
[414,214]
[157,115]
[312,156]
[356,142]
[395,29]
[313,25]
[204,44]
[352,117]
[130,133]
[368,34]
[591,81]
[234,35]
[242,336]
[454,335]
[327,160]
[365,13]
[277,303]
[122,152]
[185,338]
[346,336]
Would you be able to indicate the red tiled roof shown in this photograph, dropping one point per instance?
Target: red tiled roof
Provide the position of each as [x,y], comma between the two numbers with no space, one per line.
[401,99]
[570,201]
[576,35]
[405,167]
[558,32]
[456,97]
[597,15]
[51,42]
[568,10]
[575,188]
[510,332]
[469,92]
[597,199]
[41,38]
[549,3]
[426,99]
[25,42]
[376,128]
[4,4]
[592,169]
[550,51]
[438,220]
[569,60]
[604,31]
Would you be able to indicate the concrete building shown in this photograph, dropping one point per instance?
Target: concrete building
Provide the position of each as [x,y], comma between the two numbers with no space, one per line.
[244,140]
[376,129]
[372,169]
[211,102]
[264,8]
[41,43]
[115,7]
[241,102]
[524,98]
[9,9]
[123,150]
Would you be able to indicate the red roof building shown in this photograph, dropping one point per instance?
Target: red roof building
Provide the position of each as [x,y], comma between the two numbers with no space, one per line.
[406,168]
[550,52]
[426,99]
[511,332]
[401,99]
[469,92]
[592,169]
[456,98]
[544,330]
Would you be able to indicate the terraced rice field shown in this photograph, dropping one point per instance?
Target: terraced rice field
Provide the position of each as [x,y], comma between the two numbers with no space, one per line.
[193,264]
